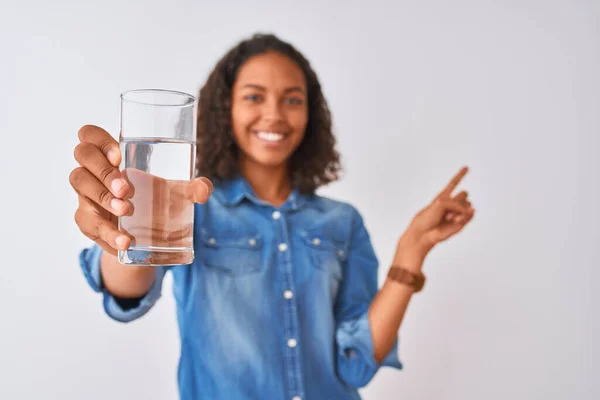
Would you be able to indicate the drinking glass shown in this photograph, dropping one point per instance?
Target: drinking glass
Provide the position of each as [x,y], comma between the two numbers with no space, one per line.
[158,148]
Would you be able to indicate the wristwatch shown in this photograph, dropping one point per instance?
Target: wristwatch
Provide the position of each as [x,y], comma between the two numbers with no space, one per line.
[406,277]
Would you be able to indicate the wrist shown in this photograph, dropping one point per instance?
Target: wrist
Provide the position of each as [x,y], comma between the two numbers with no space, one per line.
[410,253]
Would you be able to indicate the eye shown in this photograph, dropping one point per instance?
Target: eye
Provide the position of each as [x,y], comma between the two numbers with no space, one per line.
[253,98]
[293,100]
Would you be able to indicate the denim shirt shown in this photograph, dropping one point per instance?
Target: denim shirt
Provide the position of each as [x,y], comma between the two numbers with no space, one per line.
[275,303]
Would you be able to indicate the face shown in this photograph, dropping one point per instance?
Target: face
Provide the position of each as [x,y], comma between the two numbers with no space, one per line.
[269,109]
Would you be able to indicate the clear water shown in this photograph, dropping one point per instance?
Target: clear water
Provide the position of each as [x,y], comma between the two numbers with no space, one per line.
[162,224]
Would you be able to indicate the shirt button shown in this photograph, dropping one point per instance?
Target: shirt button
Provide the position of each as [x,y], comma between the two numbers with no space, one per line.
[276,214]
[283,247]
[288,294]
[252,242]
[341,253]
[212,240]
[296,398]
[292,343]
[316,241]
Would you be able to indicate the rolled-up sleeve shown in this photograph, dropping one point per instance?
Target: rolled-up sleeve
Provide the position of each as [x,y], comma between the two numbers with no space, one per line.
[356,362]
[89,259]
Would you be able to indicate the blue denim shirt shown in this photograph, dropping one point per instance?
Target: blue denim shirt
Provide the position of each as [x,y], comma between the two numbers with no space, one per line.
[275,303]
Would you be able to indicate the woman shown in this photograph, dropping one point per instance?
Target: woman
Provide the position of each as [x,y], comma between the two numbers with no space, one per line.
[281,301]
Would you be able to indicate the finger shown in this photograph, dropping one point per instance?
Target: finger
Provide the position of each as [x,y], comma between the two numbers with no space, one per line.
[200,190]
[447,230]
[462,199]
[464,218]
[453,183]
[87,185]
[95,227]
[103,141]
[90,157]
[450,205]
[106,247]
[462,196]
[134,177]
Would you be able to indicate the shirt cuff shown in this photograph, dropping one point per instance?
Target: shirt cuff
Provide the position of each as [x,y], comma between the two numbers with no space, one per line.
[89,259]
[356,360]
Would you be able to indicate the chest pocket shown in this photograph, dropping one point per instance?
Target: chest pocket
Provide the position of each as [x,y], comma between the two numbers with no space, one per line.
[234,253]
[325,253]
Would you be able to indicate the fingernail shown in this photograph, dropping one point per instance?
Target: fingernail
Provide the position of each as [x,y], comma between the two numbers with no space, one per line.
[117,185]
[117,204]
[112,156]
[121,241]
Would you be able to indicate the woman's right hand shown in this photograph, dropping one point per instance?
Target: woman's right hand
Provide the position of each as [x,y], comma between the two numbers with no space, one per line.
[104,193]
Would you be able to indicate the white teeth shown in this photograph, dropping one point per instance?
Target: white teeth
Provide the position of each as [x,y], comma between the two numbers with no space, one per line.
[270,136]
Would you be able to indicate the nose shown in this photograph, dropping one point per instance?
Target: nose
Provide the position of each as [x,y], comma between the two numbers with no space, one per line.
[272,111]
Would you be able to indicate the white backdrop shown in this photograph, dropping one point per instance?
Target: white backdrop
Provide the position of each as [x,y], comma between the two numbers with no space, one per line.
[417,89]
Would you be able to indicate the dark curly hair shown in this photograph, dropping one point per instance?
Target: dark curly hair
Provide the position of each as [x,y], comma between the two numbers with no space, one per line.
[314,163]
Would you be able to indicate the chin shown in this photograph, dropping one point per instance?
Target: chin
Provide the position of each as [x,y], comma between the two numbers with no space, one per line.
[270,161]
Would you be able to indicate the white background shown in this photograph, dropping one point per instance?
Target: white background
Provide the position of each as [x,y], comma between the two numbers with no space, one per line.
[417,89]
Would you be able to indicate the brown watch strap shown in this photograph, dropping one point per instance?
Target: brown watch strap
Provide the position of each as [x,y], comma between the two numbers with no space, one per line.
[402,275]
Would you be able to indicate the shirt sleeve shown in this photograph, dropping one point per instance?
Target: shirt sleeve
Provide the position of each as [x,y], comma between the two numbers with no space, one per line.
[356,364]
[118,309]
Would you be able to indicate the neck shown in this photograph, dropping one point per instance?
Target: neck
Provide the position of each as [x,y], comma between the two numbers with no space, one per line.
[270,184]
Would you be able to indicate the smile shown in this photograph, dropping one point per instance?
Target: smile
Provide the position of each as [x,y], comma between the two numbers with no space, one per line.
[271,137]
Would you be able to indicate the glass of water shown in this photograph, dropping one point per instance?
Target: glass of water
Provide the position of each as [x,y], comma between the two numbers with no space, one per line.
[158,148]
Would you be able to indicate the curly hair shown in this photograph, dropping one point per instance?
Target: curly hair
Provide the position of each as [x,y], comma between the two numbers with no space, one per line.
[315,162]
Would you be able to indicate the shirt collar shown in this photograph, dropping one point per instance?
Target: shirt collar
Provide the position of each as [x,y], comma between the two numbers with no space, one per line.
[232,192]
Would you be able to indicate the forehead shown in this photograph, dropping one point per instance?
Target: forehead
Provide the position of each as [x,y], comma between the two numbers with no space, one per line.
[271,70]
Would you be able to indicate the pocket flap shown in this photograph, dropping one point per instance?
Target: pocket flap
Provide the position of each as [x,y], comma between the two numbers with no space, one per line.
[231,252]
[231,239]
[320,241]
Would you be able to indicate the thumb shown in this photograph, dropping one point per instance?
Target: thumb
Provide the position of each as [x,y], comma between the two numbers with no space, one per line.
[201,189]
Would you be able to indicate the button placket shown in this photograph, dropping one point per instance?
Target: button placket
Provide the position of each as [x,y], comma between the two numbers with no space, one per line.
[295,380]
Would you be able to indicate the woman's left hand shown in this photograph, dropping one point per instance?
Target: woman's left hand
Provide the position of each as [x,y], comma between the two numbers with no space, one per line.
[444,217]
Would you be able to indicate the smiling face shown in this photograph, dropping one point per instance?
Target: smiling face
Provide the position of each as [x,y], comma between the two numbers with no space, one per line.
[269,109]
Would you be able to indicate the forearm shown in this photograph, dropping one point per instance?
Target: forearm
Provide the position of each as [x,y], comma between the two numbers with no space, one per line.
[389,305]
[125,281]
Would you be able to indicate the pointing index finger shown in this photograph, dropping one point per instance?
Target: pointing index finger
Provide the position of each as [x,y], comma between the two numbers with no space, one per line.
[454,182]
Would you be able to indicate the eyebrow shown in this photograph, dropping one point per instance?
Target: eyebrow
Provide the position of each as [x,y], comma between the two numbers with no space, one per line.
[262,88]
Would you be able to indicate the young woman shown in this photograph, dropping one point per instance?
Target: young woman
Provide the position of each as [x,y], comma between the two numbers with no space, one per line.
[281,301]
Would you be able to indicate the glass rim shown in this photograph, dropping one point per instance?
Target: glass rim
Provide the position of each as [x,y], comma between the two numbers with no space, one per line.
[190,99]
